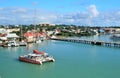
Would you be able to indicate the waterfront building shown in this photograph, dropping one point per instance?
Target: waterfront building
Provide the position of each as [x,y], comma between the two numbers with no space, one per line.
[50,33]
[31,36]
[117,30]
[9,36]
[109,30]
[57,31]
[13,30]
[3,30]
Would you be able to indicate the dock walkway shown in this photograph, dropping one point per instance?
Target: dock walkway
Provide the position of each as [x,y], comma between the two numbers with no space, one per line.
[92,42]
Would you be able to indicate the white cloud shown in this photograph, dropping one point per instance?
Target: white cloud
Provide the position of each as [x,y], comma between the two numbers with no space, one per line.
[1,9]
[118,12]
[35,3]
[19,10]
[91,16]
[93,11]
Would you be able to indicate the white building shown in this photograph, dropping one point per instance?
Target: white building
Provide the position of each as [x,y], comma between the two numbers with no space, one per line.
[2,30]
[9,36]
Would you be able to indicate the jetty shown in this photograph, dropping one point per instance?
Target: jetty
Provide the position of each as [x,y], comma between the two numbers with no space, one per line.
[91,42]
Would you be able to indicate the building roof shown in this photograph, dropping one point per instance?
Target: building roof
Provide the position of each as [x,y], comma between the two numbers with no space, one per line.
[2,30]
[38,34]
[27,34]
[3,35]
[12,35]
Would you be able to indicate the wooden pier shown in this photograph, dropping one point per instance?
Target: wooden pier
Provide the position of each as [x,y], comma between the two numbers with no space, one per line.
[91,42]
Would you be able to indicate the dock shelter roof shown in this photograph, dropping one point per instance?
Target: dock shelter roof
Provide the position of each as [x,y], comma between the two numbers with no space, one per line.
[12,35]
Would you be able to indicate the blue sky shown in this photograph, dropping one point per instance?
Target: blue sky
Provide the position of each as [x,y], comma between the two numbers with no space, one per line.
[78,12]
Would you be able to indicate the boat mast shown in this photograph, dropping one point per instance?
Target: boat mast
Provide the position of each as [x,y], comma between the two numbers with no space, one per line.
[34,20]
[21,33]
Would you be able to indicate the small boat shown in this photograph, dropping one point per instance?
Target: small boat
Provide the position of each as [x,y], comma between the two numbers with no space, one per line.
[11,44]
[22,44]
[115,37]
[38,41]
[36,58]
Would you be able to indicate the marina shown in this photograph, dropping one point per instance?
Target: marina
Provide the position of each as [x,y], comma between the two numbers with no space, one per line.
[53,39]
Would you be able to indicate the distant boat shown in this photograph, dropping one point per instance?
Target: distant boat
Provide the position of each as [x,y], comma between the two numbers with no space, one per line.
[38,41]
[115,37]
[22,43]
[36,58]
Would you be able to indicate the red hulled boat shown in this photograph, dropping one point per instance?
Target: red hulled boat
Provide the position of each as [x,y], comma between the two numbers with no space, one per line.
[36,58]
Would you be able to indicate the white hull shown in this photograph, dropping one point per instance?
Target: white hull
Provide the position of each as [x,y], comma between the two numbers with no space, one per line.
[38,41]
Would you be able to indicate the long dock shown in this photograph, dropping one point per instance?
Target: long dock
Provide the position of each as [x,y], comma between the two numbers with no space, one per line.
[91,42]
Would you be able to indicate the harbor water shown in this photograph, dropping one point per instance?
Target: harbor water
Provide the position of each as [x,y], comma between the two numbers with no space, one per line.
[72,60]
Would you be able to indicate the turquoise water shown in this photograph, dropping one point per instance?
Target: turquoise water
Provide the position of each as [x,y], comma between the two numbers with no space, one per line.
[73,60]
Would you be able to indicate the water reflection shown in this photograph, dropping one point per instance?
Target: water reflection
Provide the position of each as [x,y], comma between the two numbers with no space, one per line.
[36,45]
[29,46]
[99,38]
[43,67]
[12,49]
[46,66]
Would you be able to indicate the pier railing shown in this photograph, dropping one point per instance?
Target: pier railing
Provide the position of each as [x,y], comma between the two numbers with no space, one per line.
[92,42]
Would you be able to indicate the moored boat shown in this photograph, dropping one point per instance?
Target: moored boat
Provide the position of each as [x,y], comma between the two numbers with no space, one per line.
[11,44]
[22,44]
[115,37]
[38,41]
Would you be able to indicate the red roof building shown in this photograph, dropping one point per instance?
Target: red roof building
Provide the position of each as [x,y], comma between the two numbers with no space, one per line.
[30,36]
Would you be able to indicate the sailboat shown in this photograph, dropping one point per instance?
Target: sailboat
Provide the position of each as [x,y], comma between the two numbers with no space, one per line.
[22,43]
[38,40]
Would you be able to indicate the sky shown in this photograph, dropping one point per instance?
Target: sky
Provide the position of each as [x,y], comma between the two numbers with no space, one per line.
[71,12]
